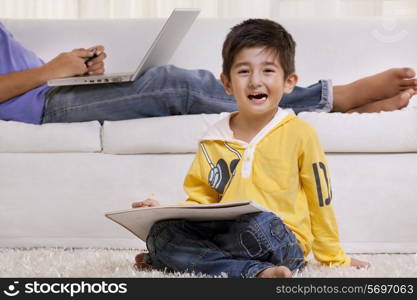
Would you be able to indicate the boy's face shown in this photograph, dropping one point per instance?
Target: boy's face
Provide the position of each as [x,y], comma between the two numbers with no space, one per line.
[257,81]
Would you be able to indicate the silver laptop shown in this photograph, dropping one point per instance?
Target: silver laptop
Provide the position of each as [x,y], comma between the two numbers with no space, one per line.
[159,53]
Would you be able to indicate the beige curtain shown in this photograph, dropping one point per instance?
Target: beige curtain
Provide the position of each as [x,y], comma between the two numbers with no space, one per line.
[73,9]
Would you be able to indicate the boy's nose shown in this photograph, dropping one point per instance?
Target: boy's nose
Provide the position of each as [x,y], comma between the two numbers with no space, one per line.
[255,81]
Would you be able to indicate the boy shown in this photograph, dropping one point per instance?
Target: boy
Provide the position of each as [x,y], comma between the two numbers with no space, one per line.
[261,153]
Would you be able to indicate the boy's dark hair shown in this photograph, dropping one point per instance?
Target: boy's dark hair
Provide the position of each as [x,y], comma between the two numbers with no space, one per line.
[259,33]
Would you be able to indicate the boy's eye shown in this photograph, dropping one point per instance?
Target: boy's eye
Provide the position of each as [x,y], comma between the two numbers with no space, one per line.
[269,70]
[242,71]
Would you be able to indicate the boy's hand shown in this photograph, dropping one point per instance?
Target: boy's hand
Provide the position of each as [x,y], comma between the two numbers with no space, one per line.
[359,264]
[145,203]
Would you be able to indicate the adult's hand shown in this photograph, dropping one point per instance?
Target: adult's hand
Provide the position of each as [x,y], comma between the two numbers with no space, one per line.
[64,65]
[72,63]
[96,65]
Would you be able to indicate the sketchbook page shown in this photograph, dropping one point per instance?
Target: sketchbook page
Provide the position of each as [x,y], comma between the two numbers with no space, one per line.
[140,220]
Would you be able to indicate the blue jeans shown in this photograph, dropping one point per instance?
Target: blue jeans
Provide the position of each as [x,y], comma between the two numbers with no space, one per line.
[163,91]
[239,248]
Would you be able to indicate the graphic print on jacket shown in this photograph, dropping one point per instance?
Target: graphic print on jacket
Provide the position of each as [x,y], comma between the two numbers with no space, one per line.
[221,175]
[318,183]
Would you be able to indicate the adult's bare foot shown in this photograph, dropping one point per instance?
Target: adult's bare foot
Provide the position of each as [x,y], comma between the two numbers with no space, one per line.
[397,102]
[381,86]
[275,272]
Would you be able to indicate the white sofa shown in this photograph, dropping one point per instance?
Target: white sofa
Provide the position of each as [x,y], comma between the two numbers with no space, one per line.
[57,180]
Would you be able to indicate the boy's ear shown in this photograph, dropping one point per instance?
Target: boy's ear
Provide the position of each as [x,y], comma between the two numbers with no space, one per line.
[226,84]
[290,83]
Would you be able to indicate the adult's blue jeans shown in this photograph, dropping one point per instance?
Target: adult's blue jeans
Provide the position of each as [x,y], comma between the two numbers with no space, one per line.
[239,248]
[163,91]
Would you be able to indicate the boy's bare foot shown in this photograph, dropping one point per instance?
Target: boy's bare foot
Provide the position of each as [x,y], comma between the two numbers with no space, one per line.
[140,263]
[275,272]
[397,102]
[381,86]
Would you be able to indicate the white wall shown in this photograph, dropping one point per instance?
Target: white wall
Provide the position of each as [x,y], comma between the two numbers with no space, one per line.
[73,9]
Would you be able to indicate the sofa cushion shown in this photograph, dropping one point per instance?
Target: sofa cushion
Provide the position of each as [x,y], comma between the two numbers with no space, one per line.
[394,131]
[56,137]
[375,132]
[174,134]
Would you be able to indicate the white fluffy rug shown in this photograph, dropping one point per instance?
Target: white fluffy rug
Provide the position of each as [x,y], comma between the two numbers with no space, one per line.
[47,262]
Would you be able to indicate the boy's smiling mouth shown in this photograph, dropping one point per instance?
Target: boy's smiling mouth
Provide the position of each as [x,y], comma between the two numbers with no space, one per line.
[258,97]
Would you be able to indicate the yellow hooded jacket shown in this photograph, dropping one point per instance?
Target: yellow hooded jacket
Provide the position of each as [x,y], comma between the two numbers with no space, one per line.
[283,168]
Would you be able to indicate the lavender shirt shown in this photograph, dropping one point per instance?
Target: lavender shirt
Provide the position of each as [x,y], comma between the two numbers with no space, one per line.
[27,107]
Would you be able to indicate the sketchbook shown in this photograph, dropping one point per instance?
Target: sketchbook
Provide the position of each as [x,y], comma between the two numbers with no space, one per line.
[140,220]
